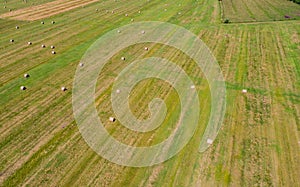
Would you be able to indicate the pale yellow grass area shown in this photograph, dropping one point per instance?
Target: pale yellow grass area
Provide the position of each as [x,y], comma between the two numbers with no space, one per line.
[45,10]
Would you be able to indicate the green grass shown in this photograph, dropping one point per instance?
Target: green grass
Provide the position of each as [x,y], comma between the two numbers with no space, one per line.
[258,142]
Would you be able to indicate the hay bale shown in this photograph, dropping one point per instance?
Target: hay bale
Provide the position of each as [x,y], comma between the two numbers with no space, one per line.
[53,52]
[123,58]
[139,12]
[81,64]
[29,43]
[43,46]
[42,23]
[193,87]
[132,20]
[119,31]
[97,10]
[244,91]
[146,48]
[112,119]
[52,46]
[63,89]
[26,75]
[126,15]
[143,32]
[209,141]
[22,88]
[112,11]
[11,40]
[52,22]
[118,91]
[17,27]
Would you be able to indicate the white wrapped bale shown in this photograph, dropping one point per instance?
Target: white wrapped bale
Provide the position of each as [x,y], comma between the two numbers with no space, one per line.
[112,119]
[209,141]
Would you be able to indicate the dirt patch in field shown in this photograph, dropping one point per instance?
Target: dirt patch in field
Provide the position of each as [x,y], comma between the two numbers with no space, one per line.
[295,38]
[45,10]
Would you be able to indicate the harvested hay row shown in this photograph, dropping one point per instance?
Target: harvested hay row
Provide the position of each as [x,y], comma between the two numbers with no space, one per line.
[45,10]
[49,10]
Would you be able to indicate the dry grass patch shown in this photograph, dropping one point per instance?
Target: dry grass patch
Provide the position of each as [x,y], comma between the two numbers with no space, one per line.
[45,10]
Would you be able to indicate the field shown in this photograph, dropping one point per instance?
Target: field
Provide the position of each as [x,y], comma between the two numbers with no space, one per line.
[253,11]
[258,145]
[44,10]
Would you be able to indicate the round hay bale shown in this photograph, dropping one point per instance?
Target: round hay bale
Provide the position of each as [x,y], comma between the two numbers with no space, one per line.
[97,10]
[244,91]
[4,6]
[112,11]
[53,52]
[123,58]
[52,22]
[126,15]
[146,48]
[29,43]
[11,40]
[26,75]
[112,119]
[143,32]
[63,89]
[209,141]
[43,46]
[17,27]
[193,87]
[119,31]
[81,64]
[22,88]
[42,23]
[118,91]
[139,12]
[132,20]
[52,46]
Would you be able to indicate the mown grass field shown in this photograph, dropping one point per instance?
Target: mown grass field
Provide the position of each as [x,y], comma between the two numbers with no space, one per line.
[258,145]
[262,11]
